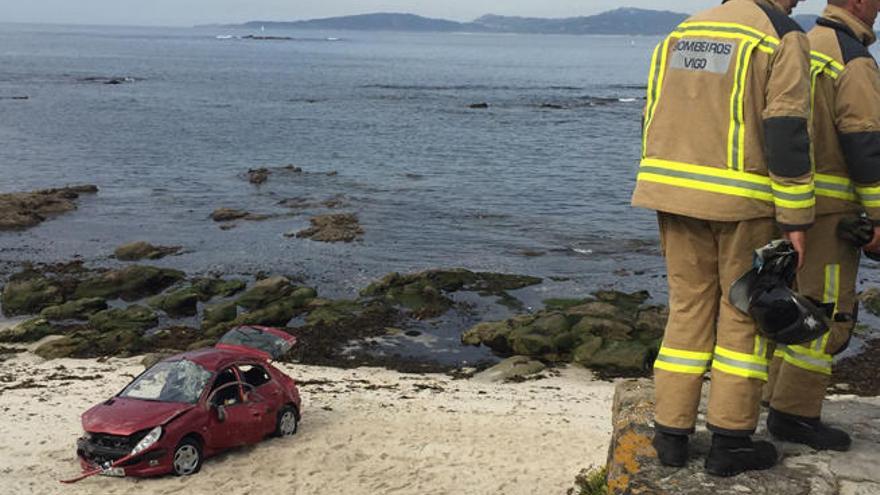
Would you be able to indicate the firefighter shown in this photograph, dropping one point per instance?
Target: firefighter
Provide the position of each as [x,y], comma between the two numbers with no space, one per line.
[846,152]
[725,163]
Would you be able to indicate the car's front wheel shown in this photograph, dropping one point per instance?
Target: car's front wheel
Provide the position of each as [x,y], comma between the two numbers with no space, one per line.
[287,422]
[187,458]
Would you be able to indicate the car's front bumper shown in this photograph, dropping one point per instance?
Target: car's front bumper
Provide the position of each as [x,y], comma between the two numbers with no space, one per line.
[152,462]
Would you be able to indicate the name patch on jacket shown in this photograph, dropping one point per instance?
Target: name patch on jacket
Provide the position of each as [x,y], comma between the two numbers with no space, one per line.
[702,55]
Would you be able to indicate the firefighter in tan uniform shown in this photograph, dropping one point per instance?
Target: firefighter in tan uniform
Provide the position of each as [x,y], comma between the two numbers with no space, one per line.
[846,150]
[726,163]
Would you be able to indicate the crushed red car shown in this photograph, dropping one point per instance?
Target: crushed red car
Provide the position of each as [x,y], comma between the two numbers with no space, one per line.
[192,406]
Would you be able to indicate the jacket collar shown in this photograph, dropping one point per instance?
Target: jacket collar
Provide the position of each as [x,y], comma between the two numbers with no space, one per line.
[842,20]
[769,3]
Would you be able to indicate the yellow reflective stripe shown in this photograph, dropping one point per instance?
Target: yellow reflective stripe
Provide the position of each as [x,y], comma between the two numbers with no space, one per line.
[797,196]
[685,354]
[740,363]
[831,293]
[832,186]
[736,137]
[779,352]
[808,359]
[760,346]
[827,64]
[655,87]
[705,178]
[869,196]
[681,361]
[732,30]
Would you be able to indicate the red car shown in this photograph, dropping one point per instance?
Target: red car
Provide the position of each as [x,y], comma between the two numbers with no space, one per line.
[191,406]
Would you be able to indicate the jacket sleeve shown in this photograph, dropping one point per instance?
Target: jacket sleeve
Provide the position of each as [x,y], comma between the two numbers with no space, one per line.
[786,135]
[857,111]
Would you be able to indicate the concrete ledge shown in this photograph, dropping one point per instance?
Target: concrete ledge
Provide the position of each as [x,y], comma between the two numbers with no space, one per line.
[633,468]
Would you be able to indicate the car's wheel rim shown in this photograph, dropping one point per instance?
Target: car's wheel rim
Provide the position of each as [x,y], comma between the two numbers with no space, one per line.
[186,460]
[288,423]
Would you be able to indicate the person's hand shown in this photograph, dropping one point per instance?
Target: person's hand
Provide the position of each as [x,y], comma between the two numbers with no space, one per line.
[874,245]
[798,239]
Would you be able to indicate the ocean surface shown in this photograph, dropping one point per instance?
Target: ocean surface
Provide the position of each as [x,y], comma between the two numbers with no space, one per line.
[537,183]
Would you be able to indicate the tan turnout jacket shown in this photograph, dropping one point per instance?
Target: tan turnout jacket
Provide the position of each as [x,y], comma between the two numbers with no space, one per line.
[725,130]
[846,116]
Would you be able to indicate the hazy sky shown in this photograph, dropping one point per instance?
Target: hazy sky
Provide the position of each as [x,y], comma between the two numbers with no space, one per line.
[189,12]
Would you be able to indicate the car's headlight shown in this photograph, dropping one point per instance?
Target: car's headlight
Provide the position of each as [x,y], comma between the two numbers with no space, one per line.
[148,441]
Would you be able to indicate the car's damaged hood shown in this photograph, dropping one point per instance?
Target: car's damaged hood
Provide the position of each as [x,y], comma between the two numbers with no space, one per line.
[126,416]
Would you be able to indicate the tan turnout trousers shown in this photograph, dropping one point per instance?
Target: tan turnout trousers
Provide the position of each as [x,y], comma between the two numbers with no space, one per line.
[799,374]
[704,330]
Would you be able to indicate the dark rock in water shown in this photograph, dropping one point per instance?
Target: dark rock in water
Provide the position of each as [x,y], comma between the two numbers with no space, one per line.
[183,302]
[258,176]
[229,214]
[337,227]
[130,283]
[332,173]
[108,79]
[22,97]
[28,331]
[478,105]
[554,106]
[293,168]
[79,309]
[423,293]
[615,334]
[26,209]
[30,295]
[134,318]
[139,250]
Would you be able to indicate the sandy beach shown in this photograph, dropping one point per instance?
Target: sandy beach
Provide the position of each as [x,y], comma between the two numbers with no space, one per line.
[364,431]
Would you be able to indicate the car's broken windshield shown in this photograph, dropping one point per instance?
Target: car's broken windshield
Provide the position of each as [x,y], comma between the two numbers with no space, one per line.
[170,381]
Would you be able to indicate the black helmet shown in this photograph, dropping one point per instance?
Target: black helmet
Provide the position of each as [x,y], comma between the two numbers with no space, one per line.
[764,293]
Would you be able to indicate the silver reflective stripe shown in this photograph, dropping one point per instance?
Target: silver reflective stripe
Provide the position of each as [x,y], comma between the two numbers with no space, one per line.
[765,188]
[808,359]
[702,363]
[847,188]
[741,364]
[762,346]
[870,197]
[793,197]
[817,345]
[737,100]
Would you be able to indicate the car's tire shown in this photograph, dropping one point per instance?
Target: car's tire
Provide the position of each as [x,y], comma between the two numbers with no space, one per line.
[287,422]
[187,458]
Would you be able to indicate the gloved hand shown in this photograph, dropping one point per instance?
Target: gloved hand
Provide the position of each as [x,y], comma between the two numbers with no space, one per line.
[857,230]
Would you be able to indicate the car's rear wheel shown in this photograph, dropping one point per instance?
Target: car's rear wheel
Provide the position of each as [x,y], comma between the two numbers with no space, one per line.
[187,458]
[287,423]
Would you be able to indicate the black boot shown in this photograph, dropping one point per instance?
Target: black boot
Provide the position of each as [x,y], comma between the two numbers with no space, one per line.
[808,431]
[672,450]
[730,456]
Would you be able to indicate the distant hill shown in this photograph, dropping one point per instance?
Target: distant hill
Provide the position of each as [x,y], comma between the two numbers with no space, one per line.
[620,21]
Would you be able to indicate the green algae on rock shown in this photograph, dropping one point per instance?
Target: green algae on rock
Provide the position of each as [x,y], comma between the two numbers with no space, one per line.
[136,251]
[79,309]
[130,283]
[134,318]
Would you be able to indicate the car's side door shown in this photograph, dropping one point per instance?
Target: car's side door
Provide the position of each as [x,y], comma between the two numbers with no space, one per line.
[232,421]
[262,394]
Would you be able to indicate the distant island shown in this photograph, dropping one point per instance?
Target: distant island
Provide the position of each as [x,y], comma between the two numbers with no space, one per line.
[628,21]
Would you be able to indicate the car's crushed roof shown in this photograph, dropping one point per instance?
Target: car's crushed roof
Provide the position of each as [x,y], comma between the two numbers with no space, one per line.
[212,358]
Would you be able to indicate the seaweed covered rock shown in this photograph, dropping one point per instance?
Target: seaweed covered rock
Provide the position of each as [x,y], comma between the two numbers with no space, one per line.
[134,318]
[209,288]
[424,293]
[176,338]
[93,343]
[79,309]
[21,210]
[130,283]
[334,227]
[183,302]
[219,313]
[140,250]
[614,331]
[29,293]
[28,331]
[265,292]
